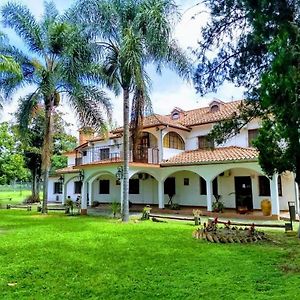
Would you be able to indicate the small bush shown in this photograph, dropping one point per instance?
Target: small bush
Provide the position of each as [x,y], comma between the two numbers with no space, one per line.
[115,208]
[95,203]
[32,199]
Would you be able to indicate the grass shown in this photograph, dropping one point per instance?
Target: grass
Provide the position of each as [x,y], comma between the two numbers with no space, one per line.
[60,257]
[16,196]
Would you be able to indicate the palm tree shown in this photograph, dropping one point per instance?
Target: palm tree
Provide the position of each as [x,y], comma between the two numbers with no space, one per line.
[60,62]
[131,34]
[7,64]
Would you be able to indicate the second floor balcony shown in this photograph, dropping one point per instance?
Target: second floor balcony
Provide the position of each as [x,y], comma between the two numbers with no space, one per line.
[141,154]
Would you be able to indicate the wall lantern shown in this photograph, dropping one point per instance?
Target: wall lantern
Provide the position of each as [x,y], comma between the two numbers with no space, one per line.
[61,179]
[81,175]
[119,173]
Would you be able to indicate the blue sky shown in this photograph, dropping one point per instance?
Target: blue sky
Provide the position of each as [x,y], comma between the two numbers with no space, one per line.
[168,90]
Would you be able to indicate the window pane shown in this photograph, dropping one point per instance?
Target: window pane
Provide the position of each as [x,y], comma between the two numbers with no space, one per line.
[104,153]
[57,188]
[215,186]
[134,186]
[169,186]
[252,134]
[103,186]
[77,187]
[203,186]
[204,142]
[264,186]
[173,140]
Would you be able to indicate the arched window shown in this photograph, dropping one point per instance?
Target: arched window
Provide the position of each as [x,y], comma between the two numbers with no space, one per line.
[214,108]
[173,140]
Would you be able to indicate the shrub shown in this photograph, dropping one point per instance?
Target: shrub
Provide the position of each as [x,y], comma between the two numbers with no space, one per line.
[32,199]
[115,208]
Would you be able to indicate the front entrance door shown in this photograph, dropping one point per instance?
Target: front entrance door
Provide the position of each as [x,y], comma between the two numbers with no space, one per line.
[243,192]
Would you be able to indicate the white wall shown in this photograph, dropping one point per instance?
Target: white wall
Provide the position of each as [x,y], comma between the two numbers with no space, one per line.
[187,194]
[169,152]
[51,196]
[115,190]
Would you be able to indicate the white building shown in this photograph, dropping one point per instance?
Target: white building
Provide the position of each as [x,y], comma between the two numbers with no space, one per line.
[174,157]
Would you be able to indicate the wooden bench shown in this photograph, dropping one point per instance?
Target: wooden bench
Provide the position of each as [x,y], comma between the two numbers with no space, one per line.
[27,207]
[55,208]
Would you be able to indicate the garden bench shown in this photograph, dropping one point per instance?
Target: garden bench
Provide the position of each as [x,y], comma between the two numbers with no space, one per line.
[28,207]
[55,208]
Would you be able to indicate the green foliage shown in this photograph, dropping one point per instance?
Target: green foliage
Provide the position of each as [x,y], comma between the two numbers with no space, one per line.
[231,271]
[257,47]
[12,165]
[115,208]
[130,35]
[146,212]
[59,59]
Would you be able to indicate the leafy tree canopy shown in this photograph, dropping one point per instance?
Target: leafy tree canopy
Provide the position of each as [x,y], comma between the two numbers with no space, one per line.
[12,164]
[255,44]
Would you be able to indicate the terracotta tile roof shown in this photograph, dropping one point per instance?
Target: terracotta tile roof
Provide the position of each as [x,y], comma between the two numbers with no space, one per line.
[110,135]
[157,120]
[66,170]
[204,115]
[217,155]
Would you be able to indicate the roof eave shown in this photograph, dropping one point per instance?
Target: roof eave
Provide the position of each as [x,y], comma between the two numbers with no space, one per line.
[210,162]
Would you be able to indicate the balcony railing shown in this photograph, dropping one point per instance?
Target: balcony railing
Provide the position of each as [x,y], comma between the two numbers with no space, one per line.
[99,154]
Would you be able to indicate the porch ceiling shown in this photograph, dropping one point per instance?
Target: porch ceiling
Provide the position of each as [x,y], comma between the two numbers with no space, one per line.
[217,155]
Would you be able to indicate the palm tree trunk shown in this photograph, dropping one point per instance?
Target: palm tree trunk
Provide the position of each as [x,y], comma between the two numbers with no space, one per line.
[125,211]
[46,152]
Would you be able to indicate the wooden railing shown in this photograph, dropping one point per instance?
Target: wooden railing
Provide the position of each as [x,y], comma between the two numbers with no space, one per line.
[103,154]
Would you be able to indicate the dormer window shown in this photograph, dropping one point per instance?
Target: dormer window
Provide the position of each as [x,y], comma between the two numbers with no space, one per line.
[214,108]
[175,115]
[215,105]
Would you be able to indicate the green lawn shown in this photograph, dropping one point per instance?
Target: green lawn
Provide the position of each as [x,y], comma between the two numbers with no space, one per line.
[61,257]
[16,196]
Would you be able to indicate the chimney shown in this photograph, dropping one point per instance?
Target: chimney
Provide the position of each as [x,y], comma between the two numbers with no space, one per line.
[85,134]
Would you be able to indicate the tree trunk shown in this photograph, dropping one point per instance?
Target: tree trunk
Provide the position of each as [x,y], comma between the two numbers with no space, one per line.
[125,211]
[46,152]
[34,188]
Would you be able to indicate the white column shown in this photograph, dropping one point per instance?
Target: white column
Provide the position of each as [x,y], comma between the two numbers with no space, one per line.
[209,197]
[274,195]
[160,146]
[83,199]
[90,189]
[161,200]
[64,188]
[297,198]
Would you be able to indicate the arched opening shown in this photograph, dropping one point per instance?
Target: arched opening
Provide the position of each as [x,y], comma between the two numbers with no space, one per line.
[239,189]
[174,141]
[143,189]
[104,188]
[185,188]
[145,149]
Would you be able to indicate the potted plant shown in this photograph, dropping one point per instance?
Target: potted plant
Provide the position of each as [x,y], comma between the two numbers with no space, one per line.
[218,205]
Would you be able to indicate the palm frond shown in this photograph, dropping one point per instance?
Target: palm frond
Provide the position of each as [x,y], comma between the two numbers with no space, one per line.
[8,64]
[91,105]
[19,18]
[25,112]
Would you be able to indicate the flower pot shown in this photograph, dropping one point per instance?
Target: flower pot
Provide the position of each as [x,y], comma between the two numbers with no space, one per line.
[266,207]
